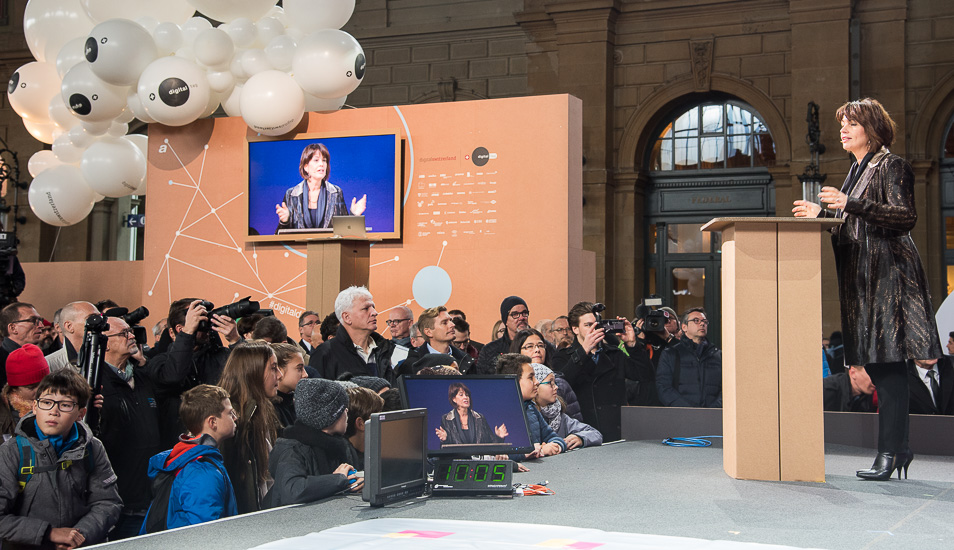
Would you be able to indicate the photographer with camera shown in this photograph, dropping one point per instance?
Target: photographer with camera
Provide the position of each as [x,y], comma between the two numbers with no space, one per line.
[597,366]
[72,321]
[195,356]
[653,336]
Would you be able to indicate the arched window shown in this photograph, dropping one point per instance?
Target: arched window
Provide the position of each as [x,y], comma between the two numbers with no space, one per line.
[713,136]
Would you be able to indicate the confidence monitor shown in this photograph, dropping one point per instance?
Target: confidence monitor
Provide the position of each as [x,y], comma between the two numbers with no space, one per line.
[490,406]
[395,456]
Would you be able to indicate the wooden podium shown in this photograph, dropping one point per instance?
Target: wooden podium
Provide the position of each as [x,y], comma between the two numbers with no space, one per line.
[773,422]
[334,265]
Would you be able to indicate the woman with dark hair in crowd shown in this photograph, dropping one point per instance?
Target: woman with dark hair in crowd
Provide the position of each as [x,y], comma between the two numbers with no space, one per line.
[291,365]
[464,425]
[315,200]
[251,378]
[886,312]
[530,342]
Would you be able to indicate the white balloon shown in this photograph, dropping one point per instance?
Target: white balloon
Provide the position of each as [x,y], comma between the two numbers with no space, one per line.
[221,81]
[242,31]
[49,24]
[228,10]
[186,52]
[113,167]
[272,103]
[126,116]
[280,51]
[254,62]
[118,50]
[232,105]
[213,48]
[215,99]
[42,160]
[96,128]
[268,28]
[147,21]
[79,137]
[236,67]
[61,114]
[65,151]
[192,28]
[277,12]
[323,105]
[41,131]
[59,196]
[135,106]
[142,142]
[168,37]
[296,34]
[312,15]
[30,89]
[177,11]
[328,63]
[89,97]
[72,53]
[174,91]
[117,129]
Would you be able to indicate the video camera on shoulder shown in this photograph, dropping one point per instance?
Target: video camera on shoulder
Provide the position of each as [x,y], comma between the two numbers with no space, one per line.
[235,310]
[654,320]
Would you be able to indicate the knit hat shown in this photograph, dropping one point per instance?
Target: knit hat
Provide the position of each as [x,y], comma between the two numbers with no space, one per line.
[541,371]
[508,303]
[319,402]
[433,360]
[26,366]
[373,383]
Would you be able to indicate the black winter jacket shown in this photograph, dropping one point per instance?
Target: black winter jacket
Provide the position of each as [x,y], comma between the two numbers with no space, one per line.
[699,379]
[129,429]
[303,462]
[600,385]
[338,356]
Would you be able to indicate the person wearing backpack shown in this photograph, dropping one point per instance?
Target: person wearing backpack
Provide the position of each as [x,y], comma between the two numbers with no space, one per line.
[190,483]
[57,488]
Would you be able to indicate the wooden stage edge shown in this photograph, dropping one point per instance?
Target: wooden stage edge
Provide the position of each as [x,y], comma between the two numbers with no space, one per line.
[841,428]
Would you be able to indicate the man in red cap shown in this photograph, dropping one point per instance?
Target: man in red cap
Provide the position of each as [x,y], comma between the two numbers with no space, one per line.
[25,368]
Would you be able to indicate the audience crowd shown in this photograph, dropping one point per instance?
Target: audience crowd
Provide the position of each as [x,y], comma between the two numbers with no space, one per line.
[226,416]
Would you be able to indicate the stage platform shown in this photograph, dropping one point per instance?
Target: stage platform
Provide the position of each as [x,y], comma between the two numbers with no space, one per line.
[644,487]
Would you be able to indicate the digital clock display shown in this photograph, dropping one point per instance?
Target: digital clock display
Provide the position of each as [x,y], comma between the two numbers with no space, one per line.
[494,472]
[473,478]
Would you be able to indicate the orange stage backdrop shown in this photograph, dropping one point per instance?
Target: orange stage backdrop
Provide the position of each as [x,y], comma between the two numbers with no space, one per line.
[511,226]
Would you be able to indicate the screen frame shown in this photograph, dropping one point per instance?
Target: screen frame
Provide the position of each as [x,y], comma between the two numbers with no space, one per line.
[484,449]
[373,492]
[328,234]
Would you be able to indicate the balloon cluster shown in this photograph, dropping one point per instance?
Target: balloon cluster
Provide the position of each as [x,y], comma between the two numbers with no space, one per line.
[102,63]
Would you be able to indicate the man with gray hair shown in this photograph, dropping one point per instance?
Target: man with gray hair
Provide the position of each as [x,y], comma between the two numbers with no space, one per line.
[73,325]
[399,324]
[357,347]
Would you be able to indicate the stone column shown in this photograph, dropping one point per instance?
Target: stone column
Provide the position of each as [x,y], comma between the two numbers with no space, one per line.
[573,49]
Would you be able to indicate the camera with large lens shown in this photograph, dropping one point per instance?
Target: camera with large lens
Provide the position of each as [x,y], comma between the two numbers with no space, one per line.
[654,320]
[133,318]
[235,310]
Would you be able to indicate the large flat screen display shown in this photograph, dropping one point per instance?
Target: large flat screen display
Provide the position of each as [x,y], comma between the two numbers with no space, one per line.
[470,415]
[296,185]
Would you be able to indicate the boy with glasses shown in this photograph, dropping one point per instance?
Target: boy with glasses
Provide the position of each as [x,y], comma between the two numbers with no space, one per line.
[690,372]
[57,487]
[201,490]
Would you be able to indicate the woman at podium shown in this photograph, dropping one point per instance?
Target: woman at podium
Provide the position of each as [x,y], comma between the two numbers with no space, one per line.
[314,201]
[886,311]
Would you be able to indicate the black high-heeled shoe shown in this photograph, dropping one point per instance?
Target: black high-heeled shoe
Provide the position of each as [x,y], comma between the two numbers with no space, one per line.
[884,465]
[904,460]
